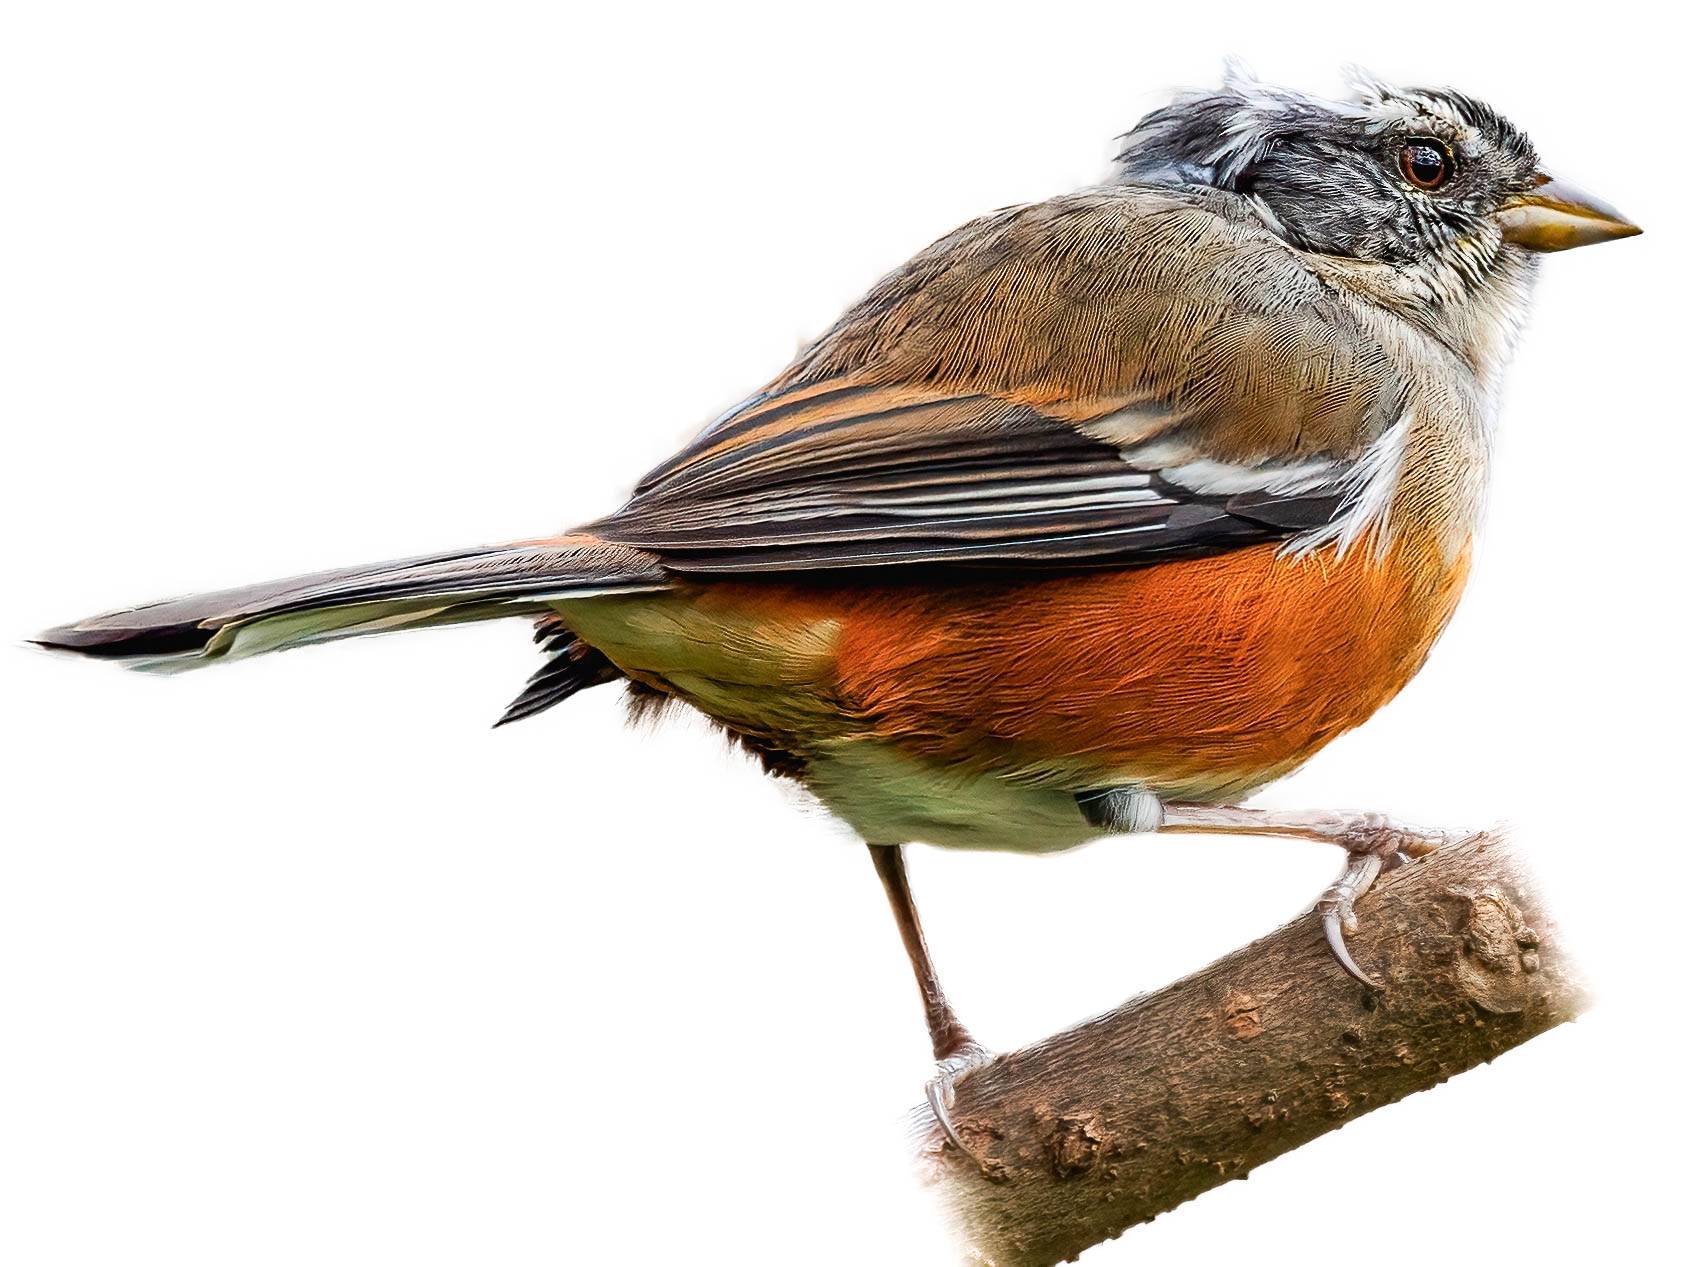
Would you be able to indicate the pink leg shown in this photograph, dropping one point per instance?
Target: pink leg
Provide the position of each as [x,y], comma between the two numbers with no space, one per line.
[1373,842]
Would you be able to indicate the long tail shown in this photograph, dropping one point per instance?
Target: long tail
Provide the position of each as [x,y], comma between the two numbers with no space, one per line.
[479,584]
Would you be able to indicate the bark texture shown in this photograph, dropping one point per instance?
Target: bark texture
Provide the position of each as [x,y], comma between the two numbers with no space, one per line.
[1117,1120]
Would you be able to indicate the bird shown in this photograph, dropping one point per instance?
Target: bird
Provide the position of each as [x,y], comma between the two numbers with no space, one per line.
[1095,517]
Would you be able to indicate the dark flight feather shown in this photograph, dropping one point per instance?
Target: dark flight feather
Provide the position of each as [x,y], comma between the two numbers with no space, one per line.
[572,667]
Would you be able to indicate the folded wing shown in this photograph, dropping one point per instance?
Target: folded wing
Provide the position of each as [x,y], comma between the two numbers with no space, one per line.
[1114,382]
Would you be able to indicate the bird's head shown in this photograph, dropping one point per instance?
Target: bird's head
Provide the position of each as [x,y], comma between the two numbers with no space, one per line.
[1399,176]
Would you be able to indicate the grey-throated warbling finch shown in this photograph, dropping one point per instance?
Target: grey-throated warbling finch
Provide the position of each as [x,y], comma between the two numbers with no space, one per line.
[1096,516]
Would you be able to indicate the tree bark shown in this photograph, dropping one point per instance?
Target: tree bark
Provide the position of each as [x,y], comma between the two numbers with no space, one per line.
[1115,1121]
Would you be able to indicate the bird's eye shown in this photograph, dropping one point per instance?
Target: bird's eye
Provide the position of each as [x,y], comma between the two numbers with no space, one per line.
[1425,163]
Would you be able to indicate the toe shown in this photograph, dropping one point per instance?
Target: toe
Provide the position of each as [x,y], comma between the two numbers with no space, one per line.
[941,1090]
[1337,909]
[1334,938]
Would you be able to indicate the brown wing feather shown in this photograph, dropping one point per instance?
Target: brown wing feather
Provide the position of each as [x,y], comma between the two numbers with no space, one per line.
[1034,389]
[1178,304]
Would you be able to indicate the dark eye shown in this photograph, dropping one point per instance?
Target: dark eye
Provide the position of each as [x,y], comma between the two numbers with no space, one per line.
[1426,164]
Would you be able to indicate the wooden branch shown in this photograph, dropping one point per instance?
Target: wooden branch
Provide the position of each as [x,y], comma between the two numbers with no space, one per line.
[1119,1119]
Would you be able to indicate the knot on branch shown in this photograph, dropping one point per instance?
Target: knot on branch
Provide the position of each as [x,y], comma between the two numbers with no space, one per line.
[1072,1147]
[1242,1014]
[1499,951]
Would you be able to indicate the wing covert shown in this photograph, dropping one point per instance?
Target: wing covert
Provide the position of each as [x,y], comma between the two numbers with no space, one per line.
[893,480]
[1110,379]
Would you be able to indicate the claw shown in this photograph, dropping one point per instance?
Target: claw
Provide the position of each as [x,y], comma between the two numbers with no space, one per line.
[1337,909]
[941,1092]
[1375,844]
[940,1096]
[1334,939]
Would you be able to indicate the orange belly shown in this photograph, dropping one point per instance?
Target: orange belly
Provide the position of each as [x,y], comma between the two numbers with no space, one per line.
[1204,678]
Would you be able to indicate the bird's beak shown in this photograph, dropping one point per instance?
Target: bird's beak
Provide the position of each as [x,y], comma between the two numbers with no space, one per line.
[1556,216]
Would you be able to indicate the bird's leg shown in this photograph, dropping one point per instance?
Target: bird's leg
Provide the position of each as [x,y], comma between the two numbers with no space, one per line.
[1372,841]
[952,1045]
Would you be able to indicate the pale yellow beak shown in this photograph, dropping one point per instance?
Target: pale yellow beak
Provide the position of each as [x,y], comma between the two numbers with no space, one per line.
[1555,216]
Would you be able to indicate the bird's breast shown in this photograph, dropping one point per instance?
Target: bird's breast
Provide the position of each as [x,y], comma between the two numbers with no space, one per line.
[1202,679]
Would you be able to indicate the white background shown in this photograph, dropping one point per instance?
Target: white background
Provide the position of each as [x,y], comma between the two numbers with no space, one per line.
[300,962]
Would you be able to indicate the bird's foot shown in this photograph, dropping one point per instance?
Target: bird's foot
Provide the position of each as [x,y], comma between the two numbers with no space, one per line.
[1375,844]
[941,1090]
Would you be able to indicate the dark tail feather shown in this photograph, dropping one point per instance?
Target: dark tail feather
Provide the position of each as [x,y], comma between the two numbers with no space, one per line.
[479,584]
[573,667]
